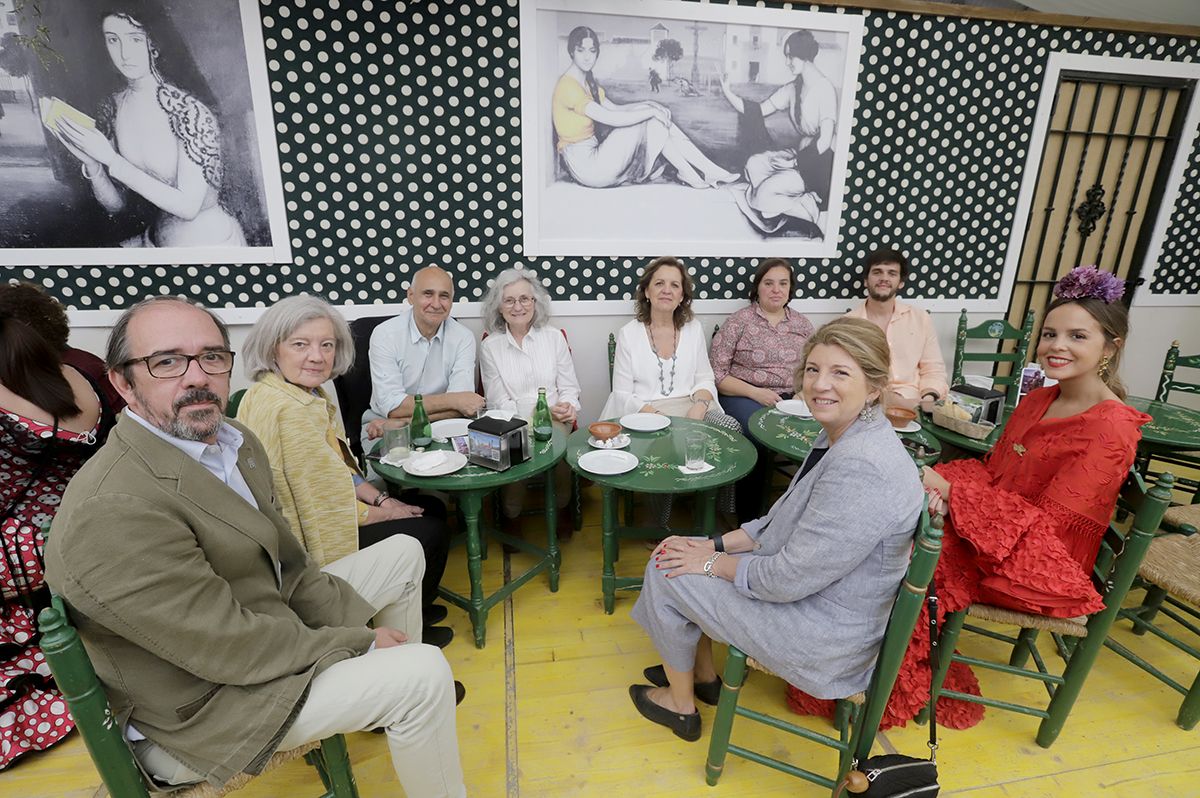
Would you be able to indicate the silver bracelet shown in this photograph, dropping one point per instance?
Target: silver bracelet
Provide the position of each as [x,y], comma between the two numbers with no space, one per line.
[709,570]
[83,168]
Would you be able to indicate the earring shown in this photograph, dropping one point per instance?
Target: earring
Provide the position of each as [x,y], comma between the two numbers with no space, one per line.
[870,412]
[1103,369]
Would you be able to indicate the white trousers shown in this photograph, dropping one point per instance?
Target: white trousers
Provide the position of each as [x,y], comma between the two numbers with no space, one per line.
[408,690]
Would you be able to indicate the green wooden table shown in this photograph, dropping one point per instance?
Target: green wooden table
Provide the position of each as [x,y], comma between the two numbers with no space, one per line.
[1173,428]
[470,484]
[792,437]
[659,456]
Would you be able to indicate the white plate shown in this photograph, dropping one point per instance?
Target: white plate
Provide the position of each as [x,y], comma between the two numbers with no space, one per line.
[645,422]
[912,426]
[619,442]
[793,407]
[607,462]
[453,461]
[449,427]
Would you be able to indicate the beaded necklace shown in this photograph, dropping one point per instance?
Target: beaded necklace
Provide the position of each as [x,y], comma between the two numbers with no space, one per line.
[662,383]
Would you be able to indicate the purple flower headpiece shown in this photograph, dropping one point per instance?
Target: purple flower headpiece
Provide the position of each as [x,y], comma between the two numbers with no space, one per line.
[1088,281]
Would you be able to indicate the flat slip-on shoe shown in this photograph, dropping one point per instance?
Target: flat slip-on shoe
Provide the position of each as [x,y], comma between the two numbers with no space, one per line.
[434,613]
[439,636]
[686,727]
[460,692]
[708,692]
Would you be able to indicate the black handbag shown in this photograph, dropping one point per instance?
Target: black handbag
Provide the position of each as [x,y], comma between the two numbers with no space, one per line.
[898,775]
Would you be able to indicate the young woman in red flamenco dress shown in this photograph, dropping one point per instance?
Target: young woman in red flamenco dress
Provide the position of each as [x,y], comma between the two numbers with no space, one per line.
[1023,527]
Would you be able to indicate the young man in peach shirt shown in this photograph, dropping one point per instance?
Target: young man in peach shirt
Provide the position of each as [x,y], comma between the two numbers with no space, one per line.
[918,371]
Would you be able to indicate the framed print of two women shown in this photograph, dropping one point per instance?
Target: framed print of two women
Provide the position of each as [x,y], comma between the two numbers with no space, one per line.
[154,142]
[693,128]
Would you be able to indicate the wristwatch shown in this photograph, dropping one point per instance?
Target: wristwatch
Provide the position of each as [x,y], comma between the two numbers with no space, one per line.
[381,498]
[710,562]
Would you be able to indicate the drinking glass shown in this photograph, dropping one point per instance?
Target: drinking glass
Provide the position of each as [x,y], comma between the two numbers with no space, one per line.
[694,449]
[395,443]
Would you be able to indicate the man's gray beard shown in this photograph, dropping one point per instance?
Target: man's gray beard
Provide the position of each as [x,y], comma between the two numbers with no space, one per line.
[175,426]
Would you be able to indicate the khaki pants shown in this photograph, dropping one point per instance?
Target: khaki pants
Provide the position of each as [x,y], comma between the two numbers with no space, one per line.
[408,690]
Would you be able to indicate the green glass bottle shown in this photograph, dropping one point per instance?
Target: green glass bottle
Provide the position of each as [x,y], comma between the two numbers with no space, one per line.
[543,426]
[420,432]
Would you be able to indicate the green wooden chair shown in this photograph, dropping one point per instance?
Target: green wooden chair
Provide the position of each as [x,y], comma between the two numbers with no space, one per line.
[1167,383]
[1077,642]
[235,401]
[106,744]
[856,717]
[997,331]
[1171,575]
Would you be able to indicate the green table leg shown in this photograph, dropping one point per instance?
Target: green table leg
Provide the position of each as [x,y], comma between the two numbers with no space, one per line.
[552,530]
[471,503]
[608,580]
[708,512]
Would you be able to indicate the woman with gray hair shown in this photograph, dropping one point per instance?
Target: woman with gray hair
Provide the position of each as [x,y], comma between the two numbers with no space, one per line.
[521,354]
[297,345]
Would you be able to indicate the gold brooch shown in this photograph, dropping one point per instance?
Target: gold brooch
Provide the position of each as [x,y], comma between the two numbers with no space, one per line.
[1019,449]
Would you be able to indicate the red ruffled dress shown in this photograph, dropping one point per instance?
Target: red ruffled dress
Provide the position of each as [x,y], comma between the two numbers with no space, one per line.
[1023,532]
[35,466]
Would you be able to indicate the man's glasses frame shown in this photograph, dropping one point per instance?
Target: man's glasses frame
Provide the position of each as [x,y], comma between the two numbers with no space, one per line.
[214,362]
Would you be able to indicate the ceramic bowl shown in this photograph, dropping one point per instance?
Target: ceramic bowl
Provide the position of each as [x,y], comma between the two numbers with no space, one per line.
[900,416]
[604,430]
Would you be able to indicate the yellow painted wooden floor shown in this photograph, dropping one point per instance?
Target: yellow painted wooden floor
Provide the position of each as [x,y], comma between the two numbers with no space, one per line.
[547,715]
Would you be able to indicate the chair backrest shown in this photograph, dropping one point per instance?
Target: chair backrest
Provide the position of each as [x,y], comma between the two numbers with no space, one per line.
[1167,381]
[76,678]
[997,331]
[1121,554]
[235,401]
[927,548]
[354,387]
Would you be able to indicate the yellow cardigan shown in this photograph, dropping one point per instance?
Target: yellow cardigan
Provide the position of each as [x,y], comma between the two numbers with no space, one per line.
[311,464]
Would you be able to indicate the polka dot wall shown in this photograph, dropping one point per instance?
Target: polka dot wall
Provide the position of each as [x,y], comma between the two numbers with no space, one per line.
[398,126]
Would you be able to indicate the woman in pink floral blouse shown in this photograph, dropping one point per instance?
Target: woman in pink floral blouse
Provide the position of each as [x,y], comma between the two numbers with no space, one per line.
[755,354]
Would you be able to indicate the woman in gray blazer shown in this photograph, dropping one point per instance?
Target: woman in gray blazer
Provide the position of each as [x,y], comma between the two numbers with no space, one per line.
[807,589]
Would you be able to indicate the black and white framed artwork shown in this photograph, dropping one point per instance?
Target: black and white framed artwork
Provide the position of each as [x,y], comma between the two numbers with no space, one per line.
[145,137]
[651,127]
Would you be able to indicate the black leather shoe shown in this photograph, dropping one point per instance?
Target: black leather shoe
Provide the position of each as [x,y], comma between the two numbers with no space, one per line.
[708,692]
[434,613]
[439,636]
[686,727]
[460,692]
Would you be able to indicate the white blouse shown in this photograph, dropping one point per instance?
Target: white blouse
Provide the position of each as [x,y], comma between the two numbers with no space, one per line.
[512,372]
[636,372]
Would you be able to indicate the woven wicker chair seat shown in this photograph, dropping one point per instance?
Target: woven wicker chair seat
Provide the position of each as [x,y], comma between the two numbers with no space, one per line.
[206,790]
[1074,627]
[1183,514]
[1173,563]
[858,698]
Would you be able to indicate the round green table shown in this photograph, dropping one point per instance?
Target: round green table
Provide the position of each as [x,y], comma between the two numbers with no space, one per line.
[469,485]
[792,437]
[1173,428]
[660,454]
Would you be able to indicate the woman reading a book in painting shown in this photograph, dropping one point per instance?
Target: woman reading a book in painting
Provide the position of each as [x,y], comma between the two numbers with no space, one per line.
[157,141]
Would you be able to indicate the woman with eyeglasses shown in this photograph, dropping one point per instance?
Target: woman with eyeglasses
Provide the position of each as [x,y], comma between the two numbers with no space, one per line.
[52,420]
[297,345]
[521,353]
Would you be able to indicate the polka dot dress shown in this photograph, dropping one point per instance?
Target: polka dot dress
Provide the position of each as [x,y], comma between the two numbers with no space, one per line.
[399,131]
[33,715]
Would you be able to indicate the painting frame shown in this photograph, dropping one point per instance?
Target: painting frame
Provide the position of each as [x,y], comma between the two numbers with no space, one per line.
[255,223]
[561,216]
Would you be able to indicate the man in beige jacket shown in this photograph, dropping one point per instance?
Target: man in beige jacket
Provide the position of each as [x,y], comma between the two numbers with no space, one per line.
[217,639]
